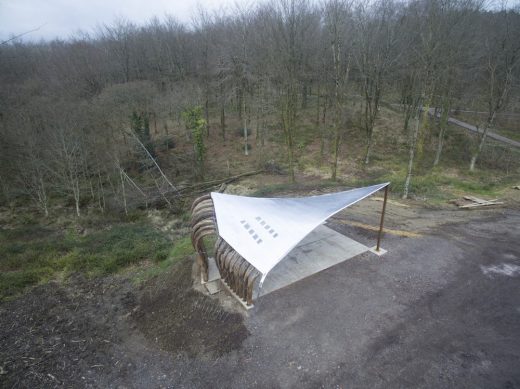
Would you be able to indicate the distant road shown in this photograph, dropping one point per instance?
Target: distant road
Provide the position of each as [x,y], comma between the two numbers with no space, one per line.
[473,128]
[485,112]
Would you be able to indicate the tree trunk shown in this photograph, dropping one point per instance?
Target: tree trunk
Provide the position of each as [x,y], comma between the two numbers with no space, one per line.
[123,190]
[257,126]
[223,122]
[421,137]
[244,117]
[413,144]
[77,208]
[368,150]
[320,125]
[291,162]
[476,154]
[42,195]
[482,141]
[336,152]
[101,194]
[440,143]
[407,116]
[318,108]
[239,103]
[304,95]
[443,125]
[324,114]
[206,112]
[371,111]
[155,123]
[76,198]
[367,114]
[337,113]
[289,107]
[263,133]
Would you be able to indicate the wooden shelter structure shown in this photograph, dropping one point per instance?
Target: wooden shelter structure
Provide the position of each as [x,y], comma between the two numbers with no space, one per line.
[241,272]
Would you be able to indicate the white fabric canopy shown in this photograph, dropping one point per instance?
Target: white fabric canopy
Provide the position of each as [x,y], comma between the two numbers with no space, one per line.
[264,230]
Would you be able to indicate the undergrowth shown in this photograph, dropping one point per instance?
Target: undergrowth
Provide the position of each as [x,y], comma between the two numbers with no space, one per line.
[31,254]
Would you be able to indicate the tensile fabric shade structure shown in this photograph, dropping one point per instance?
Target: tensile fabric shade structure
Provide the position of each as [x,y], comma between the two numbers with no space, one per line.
[265,230]
[255,234]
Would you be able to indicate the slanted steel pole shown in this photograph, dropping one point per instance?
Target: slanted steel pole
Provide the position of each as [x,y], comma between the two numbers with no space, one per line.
[382,220]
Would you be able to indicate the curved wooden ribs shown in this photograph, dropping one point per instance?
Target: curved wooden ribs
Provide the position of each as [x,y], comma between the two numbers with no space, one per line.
[202,224]
[235,271]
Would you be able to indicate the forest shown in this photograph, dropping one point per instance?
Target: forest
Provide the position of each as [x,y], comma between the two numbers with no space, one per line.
[111,139]
[134,114]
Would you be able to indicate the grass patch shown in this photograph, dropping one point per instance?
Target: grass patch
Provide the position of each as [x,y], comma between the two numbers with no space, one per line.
[33,254]
[437,186]
[181,249]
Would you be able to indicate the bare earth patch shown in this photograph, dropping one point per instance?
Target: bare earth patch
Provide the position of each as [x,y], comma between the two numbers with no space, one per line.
[179,319]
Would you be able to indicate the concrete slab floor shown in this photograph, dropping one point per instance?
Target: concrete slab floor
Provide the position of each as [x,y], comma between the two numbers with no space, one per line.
[213,272]
[377,252]
[213,286]
[321,249]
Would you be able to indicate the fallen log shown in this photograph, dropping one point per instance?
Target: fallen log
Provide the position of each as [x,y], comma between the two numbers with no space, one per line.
[174,199]
[208,184]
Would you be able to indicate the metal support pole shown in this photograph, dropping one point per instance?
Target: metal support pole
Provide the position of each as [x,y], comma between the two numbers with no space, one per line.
[382,220]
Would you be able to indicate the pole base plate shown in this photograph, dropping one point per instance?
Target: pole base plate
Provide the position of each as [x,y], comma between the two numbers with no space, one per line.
[376,252]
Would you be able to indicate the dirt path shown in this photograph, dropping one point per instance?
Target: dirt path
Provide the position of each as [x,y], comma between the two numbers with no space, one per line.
[439,310]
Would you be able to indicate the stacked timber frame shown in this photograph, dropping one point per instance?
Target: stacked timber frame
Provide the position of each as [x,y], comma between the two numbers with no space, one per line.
[235,271]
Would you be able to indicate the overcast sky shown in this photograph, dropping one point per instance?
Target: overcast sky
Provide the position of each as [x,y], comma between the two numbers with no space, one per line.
[61,18]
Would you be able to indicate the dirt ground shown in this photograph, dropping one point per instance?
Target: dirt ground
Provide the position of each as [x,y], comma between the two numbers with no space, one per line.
[440,309]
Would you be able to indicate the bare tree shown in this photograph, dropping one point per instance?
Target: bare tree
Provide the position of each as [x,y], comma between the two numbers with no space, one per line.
[27,159]
[500,60]
[375,54]
[290,27]
[336,15]
[118,37]
[453,57]
[436,20]
[66,166]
